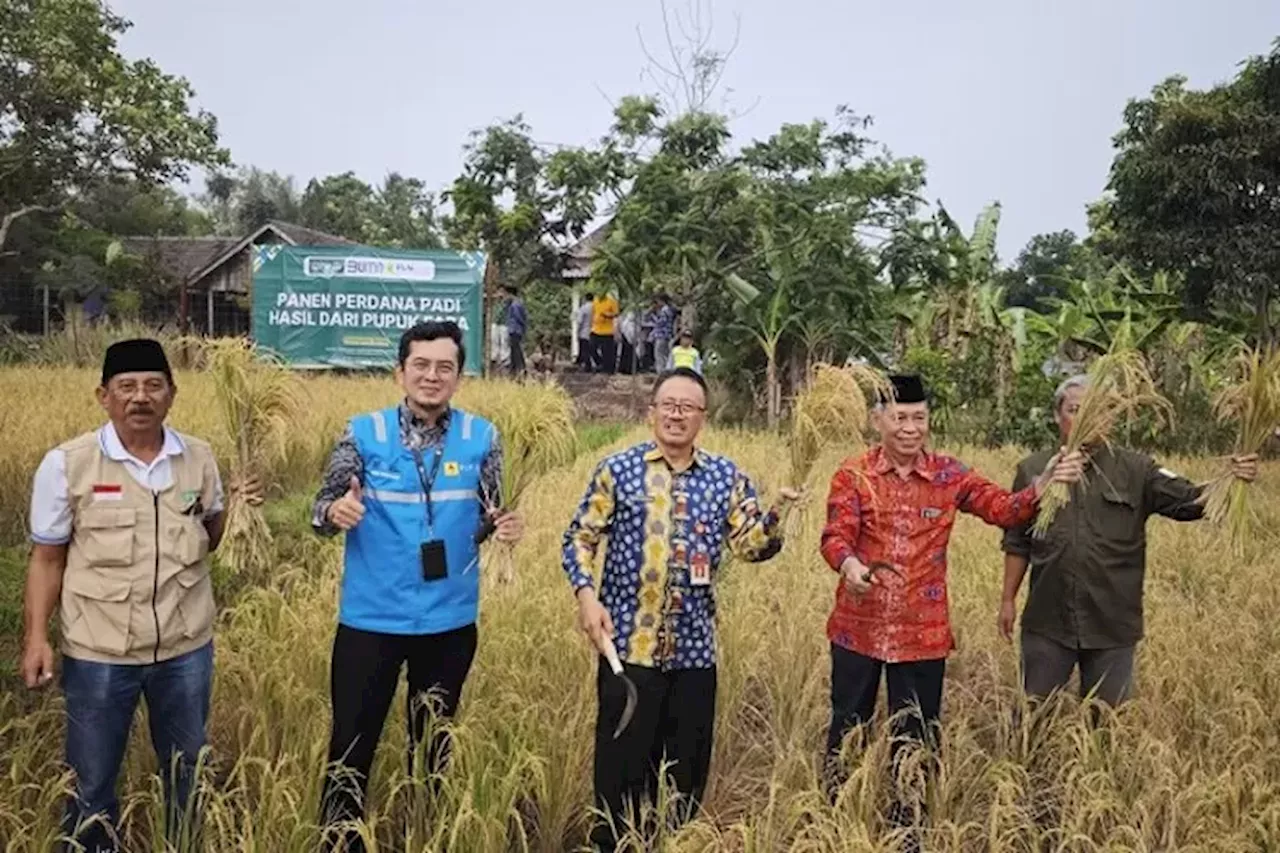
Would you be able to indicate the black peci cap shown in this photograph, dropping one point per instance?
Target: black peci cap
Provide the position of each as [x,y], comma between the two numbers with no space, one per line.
[908,388]
[135,356]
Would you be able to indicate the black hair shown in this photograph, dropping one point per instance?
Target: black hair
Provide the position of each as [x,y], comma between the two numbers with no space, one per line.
[512,289]
[679,373]
[433,331]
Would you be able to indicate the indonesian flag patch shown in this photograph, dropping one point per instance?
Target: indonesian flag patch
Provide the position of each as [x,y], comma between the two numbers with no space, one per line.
[107,492]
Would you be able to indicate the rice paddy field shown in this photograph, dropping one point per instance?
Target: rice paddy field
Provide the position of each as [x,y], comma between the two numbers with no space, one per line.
[1191,764]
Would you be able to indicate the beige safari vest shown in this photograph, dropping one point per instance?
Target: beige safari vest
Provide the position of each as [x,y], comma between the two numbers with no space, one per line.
[136,588]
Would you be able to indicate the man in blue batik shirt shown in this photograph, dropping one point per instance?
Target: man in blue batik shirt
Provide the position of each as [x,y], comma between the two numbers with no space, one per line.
[670,511]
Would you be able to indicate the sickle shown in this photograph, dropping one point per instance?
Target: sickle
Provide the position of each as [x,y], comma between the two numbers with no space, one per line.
[879,566]
[629,709]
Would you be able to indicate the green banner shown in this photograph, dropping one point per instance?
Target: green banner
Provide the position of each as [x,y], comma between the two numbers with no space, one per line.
[347,306]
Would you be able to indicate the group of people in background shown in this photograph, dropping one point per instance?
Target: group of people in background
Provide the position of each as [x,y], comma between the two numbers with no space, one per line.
[124,519]
[613,340]
[610,339]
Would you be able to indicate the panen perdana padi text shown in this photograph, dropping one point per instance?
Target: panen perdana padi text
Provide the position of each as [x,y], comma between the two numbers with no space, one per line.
[373,310]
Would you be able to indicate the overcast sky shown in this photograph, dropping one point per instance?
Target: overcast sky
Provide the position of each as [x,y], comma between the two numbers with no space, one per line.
[1009,100]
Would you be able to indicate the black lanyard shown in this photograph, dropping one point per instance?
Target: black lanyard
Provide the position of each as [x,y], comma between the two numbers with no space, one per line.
[428,482]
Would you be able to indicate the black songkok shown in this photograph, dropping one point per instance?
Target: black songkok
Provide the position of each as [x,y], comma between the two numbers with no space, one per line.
[908,389]
[140,355]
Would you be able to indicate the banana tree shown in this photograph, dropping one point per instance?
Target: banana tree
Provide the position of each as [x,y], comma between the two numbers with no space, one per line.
[935,261]
[1005,329]
[1096,309]
[972,265]
[767,321]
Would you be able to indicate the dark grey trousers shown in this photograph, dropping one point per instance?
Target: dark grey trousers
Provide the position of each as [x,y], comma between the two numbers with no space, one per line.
[1047,666]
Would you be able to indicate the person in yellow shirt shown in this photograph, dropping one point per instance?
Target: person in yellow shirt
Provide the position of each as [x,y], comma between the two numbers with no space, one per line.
[603,316]
[685,354]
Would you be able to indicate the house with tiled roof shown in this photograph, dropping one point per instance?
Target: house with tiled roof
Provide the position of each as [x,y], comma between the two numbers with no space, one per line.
[578,257]
[213,275]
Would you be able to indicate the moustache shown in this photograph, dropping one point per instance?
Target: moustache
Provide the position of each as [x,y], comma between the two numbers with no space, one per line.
[139,410]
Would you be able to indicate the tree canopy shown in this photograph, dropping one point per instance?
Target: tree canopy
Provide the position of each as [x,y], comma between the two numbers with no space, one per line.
[1195,187]
[74,113]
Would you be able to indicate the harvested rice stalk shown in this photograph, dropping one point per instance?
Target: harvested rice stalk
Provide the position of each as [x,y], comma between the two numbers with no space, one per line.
[831,410]
[1254,403]
[537,435]
[259,401]
[1120,387]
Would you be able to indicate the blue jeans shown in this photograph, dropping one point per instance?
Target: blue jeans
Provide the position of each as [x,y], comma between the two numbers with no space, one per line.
[101,699]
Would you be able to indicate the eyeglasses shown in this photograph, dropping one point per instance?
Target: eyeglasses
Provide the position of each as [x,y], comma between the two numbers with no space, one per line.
[127,389]
[668,407]
[442,369]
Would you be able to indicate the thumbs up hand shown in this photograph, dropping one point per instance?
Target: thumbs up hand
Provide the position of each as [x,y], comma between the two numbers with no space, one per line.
[346,512]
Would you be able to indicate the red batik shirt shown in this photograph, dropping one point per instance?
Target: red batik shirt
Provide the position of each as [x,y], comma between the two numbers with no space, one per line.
[877,515]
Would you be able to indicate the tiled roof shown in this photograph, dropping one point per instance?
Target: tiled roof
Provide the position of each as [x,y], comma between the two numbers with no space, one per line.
[304,236]
[179,257]
[577,264]
[187,258]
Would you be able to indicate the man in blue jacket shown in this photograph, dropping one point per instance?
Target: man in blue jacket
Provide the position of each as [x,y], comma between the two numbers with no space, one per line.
[415,488]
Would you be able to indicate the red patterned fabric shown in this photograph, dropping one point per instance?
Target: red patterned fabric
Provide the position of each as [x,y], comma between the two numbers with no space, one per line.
[877,515]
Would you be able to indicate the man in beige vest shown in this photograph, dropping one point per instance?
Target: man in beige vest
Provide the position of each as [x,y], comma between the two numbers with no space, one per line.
[122,522]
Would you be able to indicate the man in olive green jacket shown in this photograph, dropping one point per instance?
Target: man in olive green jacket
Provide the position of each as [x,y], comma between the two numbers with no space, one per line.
[1085,604]
[122,522]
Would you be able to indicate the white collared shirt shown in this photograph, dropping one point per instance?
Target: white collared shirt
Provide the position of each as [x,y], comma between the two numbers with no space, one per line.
[51,517]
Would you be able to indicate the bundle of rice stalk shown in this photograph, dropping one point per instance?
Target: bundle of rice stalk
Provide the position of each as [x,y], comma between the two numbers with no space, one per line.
[831,410]
[1120,387]
[1254,403]
[260,402]
[537,433]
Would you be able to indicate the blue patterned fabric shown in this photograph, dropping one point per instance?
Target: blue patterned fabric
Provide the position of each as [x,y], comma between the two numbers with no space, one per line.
[666,530]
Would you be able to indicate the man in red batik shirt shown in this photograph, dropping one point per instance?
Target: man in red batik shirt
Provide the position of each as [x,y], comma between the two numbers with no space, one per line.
[889,519]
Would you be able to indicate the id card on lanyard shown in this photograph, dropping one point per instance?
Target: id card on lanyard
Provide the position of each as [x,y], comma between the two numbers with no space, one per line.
[434,560]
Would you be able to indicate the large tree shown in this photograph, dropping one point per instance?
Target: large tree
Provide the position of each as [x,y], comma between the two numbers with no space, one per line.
[1045,269]
[770,250]
[399,213]
[521,203]
[75,113]
[1195,189]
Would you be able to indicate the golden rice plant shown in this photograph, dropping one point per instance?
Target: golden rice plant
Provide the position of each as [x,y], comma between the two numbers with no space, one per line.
[1120,387]
[1254,404]
[535,426]
[260,403]
[1188,764]
[832,410]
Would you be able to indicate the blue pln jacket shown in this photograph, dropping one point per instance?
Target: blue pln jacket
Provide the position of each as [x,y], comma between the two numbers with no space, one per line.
[382,585]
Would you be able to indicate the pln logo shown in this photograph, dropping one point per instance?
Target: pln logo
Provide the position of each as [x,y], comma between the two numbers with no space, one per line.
[405,269]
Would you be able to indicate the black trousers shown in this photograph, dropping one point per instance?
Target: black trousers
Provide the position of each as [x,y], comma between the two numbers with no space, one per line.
[516,344]
[605,353]
[626,358]
[365,671]
[855,683]
[675,720]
